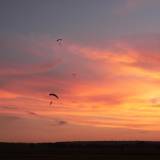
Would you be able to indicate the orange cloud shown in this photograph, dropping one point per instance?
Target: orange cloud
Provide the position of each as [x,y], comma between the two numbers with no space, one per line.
[119,81]
[5,94]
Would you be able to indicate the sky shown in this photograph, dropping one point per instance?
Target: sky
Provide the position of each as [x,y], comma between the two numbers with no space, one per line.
[106,70]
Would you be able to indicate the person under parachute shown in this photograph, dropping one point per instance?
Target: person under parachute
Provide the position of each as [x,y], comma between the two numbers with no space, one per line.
[54,95]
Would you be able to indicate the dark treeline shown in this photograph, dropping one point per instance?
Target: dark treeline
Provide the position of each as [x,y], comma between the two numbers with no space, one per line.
[80,149]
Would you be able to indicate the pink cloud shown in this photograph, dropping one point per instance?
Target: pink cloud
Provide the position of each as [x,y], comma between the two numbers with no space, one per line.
[108,80]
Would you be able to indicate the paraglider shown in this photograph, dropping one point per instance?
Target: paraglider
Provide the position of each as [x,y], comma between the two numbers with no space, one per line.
[74,74]
[59,40]
[52,94]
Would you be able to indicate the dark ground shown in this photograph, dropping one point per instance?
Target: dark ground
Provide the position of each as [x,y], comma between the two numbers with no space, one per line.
[81,151]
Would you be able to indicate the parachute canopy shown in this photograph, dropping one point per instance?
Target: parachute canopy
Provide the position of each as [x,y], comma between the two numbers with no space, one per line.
[52,94]
[59,39]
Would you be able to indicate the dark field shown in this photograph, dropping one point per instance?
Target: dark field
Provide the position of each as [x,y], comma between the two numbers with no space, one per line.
[81,151]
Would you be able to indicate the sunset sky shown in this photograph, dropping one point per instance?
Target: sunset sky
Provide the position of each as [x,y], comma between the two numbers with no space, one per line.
[106,71]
